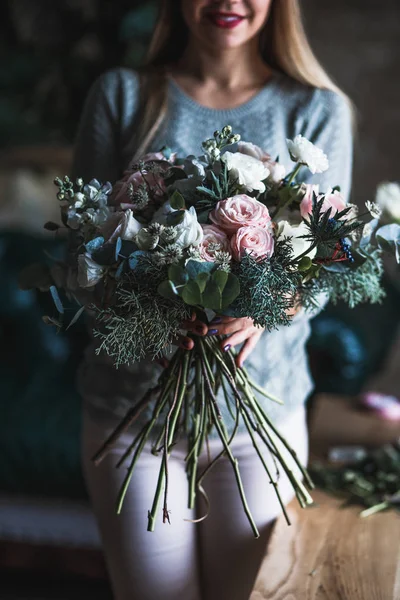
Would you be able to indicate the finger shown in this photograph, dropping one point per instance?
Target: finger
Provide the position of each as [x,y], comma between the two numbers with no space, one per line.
[236,338]
[197,327]
[229,327]
[184,342]
[222,319]
[247,349]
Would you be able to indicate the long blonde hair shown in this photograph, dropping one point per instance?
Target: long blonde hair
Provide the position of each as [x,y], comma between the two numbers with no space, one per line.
[283,45]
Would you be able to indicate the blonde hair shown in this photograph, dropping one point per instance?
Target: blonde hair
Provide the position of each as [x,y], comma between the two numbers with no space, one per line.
[283,45]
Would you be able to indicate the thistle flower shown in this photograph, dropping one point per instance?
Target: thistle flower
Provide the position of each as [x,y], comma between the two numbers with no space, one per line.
[169,234]
[170,254]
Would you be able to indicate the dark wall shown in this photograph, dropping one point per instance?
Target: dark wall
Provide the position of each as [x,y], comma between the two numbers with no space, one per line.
[359,43]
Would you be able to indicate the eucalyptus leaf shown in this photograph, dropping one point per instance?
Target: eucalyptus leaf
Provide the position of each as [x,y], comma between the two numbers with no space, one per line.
[134,258]
[194,267]
[191,293]
[166,290]
[220,278]
[388,238]
[212,296]
[75,317]
[231,290]
[336,267]
[177,274]
[94,244]
[175,217]
[305,263]
[118,246]
[202,279]
[177,201]
[56,299]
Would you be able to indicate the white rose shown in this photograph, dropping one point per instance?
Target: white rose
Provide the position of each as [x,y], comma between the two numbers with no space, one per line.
[89,272]
[129,225]
[388,198]
[249,171]
[299,244]
[190,232]
[304,152]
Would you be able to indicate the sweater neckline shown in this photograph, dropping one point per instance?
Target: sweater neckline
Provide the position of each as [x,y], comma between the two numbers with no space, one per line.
[183,99]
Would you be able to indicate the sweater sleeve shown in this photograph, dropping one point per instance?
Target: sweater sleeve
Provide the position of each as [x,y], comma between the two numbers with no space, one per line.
[97,152]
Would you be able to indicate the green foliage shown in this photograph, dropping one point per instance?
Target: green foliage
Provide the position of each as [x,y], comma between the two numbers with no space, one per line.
[142,322]
[201,284]
[350,285]
[267,287]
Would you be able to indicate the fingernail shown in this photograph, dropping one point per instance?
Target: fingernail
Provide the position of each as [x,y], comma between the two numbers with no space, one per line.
[186,345]
[226,348]
[199,329]
[217,320]
[212,331]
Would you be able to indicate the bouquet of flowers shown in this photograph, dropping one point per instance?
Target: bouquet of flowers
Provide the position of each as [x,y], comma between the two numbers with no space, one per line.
[229,233]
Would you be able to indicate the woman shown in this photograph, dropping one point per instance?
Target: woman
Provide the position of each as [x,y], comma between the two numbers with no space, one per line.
[246,63]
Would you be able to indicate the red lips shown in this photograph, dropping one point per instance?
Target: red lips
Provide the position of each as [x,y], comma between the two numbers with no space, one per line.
[225,20]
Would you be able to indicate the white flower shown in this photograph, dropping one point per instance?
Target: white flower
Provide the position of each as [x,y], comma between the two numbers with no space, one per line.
[249,171]
[129,225]
[190,232]
[277,172]
[299,244]
[89,272]
[388,198]
[304,152]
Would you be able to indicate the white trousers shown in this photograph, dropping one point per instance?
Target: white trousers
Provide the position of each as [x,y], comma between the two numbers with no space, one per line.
[217,559]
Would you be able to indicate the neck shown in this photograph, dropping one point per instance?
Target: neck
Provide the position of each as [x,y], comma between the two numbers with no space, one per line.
[227,69]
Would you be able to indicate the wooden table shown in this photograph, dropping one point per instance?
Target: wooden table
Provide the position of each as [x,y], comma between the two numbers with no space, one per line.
[331,554]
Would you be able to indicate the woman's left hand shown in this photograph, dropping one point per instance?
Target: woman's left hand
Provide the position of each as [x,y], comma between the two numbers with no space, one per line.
[239,331]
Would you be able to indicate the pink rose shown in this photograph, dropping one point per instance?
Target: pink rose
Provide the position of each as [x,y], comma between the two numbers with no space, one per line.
[240,210]
[257,241]
[213,239]
[332,200]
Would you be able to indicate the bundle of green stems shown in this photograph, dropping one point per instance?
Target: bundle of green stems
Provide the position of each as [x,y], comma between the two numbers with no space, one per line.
[187,393]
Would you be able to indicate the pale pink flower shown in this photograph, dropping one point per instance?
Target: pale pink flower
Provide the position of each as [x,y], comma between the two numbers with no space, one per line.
[213,239]
[277,171]
[333,200]
[257,241]
[255,151]
[240,210]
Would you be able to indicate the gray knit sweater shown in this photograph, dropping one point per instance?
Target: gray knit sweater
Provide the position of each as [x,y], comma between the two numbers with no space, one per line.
[281,110]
